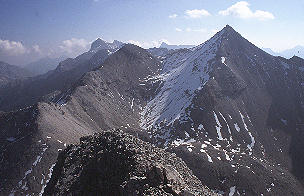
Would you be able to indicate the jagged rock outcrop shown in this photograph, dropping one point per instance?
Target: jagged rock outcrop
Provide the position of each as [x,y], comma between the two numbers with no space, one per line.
[115,163]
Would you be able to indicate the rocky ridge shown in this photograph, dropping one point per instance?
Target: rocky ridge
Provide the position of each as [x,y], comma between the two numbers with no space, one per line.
[116,163]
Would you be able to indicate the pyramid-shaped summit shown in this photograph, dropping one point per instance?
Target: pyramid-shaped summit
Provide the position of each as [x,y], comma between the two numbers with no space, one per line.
[98,43]
[229,34]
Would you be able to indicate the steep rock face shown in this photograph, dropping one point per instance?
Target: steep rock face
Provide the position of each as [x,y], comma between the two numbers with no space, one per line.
[115,163]
[112,95]
[234,106]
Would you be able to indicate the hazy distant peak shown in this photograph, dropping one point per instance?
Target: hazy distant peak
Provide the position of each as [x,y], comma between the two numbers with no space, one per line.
[99,44]
[168,46]
[118,43]
[163,45]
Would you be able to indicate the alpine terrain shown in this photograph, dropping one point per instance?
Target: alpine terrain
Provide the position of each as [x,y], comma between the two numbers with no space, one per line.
[220,118]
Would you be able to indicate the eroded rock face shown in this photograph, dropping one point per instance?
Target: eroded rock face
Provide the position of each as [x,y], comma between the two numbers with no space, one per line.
[116,163]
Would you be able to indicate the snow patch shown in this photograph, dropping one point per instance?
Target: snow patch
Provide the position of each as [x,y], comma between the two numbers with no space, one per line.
[251,145]
[237,128]
[59,141]
[10,139]
[200,127]
[229,131]
[183,73]
[204,146]
[132,104]
[223,60]
[218,127]
[49,175]
[227,156]
[208,156]
[232,191]
[38,158]
[179,142]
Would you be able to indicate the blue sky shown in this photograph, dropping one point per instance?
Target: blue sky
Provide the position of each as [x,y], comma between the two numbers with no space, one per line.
[32,29]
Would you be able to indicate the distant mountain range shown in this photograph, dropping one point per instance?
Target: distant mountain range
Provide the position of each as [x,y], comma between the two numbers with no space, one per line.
[296,51]
[9,73]
[170,47]
[43,65]
[48,85]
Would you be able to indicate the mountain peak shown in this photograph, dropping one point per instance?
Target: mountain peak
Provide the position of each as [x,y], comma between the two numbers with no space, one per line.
[97,44]
[163,45]
[228,30]
[231,39]
[117,42]
[228,26]
[297,59]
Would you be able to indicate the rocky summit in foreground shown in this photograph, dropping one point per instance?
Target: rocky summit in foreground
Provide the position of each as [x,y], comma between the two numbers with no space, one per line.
[116,163]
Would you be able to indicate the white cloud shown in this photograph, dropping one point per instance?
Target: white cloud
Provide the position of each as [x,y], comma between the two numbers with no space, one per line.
[178,30]
[188,29]
[15,52]
[74,46]
[214,31]
[173,16]
[12,48]
[241,9]
[148,44]
[197,13]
